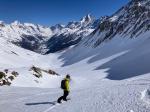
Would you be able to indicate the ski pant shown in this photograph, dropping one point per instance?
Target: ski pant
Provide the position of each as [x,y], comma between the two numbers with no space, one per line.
[64,97]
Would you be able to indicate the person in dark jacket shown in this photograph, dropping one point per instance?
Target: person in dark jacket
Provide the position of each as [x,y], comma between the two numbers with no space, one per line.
[66,89]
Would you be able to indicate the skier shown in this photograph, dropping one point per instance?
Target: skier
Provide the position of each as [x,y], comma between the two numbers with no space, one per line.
[65,86]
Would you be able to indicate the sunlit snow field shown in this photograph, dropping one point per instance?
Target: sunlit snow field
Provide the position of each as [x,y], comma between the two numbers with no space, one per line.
[115,79]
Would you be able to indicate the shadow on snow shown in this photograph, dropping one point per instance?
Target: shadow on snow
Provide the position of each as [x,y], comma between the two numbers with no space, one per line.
[41,103]
[127,66]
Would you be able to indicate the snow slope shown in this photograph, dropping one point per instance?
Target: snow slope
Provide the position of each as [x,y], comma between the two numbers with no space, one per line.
[91,87]
[21,60]
[101,96]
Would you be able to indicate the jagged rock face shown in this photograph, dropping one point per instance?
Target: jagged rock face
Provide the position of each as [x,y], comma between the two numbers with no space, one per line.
[130,21]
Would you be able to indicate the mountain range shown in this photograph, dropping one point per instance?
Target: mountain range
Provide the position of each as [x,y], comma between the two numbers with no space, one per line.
[42,39]
[130,21]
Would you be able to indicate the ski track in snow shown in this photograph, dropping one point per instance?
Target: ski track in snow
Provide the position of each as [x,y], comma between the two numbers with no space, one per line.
[50,108]
[47,110]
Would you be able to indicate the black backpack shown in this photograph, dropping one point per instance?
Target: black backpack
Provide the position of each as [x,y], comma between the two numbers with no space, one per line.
[63,84]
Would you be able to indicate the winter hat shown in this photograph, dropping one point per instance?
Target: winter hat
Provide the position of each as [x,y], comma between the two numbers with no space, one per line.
[68,76]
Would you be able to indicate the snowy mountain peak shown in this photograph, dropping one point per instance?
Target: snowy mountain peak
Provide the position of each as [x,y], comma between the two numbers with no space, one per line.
[87,19]
[16,23]
[58,26]
[30,24]
[2,23]
[140,2]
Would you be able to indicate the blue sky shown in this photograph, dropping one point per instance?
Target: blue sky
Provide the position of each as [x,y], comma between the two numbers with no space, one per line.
[51,12]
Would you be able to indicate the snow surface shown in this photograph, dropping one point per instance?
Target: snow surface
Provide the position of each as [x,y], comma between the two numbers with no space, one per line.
[100,80]
[114,18]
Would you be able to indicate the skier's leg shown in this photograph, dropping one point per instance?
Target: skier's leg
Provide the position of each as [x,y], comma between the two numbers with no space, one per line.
[62,97]
[66,93]
[59,99]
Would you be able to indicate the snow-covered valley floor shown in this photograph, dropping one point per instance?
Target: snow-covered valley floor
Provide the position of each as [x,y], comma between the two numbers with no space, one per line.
[101,96]
[91,88]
